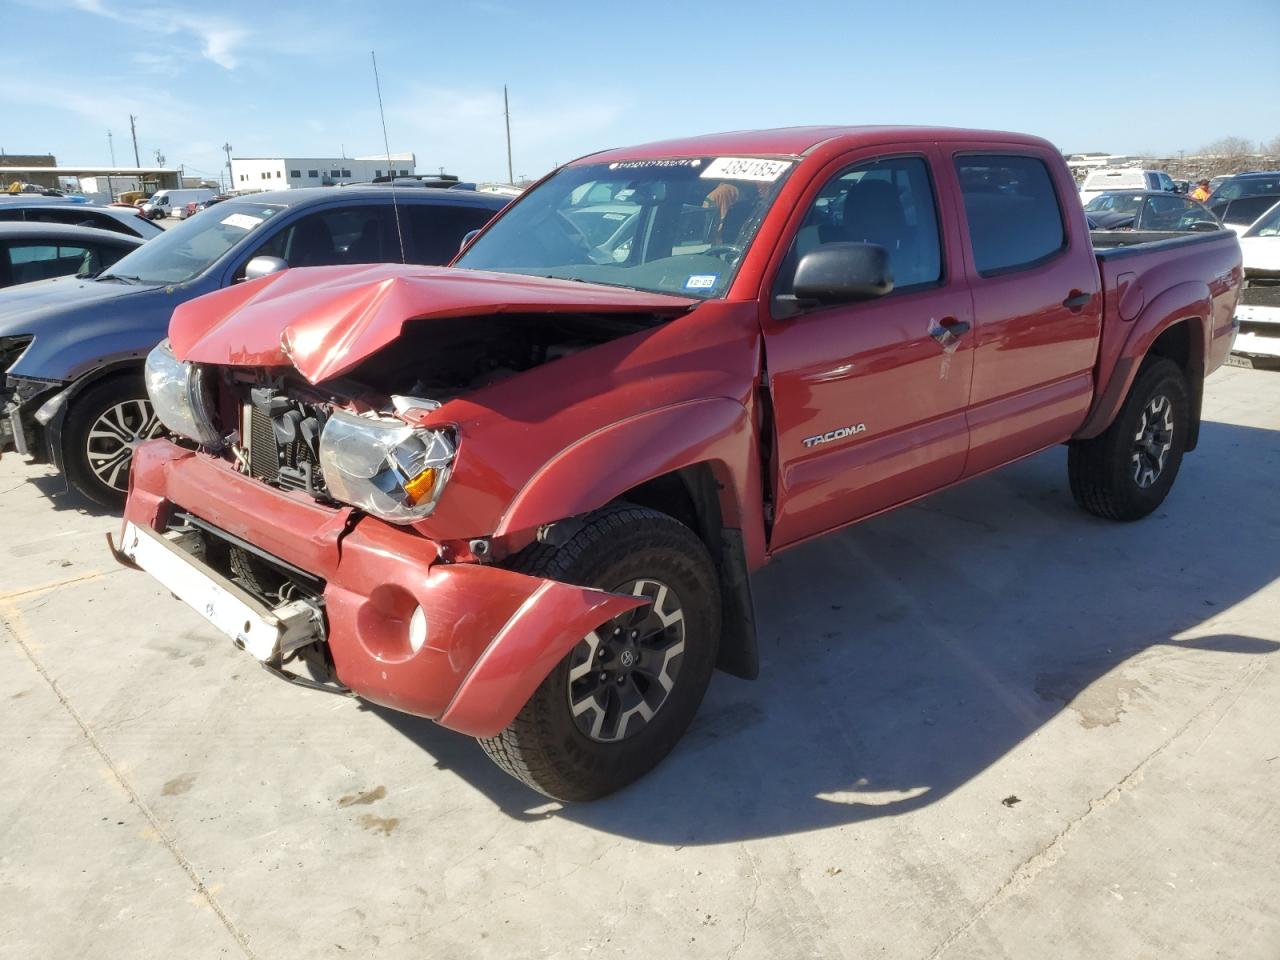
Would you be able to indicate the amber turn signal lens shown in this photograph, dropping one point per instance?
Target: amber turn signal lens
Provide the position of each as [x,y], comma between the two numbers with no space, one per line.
[421,485]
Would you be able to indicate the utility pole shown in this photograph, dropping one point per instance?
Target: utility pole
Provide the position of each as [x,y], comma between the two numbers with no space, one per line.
[226,147]
[134,129]
[112,147]
[506,111]
[160,158]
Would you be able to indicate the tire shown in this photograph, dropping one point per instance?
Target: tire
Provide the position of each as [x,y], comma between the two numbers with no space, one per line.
[578,738]
[1126,472]
[104,424]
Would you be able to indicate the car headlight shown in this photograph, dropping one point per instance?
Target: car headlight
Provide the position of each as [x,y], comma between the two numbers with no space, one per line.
[180,396]
[385,467]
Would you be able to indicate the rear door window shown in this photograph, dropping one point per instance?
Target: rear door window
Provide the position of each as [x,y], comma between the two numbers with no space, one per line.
[438,229]
[1012,212]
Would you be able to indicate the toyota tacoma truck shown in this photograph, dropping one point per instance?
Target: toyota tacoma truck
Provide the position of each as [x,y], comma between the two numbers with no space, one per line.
[523,495]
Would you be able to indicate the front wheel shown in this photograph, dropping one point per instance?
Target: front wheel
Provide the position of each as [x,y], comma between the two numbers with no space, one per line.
[1126,472]
[105,424]
[624,695]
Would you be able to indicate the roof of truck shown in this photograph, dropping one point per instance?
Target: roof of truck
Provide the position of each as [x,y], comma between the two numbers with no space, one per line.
[798,141]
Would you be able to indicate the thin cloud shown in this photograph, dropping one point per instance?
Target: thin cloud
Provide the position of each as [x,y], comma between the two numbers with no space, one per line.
[218,39]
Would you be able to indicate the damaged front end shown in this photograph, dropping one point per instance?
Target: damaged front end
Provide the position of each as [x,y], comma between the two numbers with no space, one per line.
[282,512]
[20,401]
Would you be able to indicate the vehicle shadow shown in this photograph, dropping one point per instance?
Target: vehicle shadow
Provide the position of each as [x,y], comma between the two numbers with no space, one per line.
[61,496]
[904,656]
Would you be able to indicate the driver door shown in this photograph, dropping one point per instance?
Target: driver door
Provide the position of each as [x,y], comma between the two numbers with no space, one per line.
[870,397]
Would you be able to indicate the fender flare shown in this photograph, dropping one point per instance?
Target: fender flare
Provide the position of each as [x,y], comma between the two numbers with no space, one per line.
[1186,301]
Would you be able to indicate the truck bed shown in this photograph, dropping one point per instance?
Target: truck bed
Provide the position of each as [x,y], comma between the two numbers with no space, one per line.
[1139,267]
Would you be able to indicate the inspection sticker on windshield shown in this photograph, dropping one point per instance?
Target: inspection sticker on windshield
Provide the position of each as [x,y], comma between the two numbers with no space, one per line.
[701,281]
[745,168]
[242,220]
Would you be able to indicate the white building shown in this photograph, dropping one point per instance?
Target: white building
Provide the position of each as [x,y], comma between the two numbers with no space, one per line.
[283,173]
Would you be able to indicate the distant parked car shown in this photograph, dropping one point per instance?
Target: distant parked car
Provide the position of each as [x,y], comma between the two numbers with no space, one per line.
[1145,210]
[74,348]
[1242,199]
[116,219]
[1258,340]
[39,251]
[1111,179]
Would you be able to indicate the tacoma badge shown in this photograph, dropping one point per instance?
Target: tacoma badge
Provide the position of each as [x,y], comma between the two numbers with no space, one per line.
[839,434]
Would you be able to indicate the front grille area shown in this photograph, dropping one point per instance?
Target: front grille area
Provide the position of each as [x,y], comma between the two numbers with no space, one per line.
[282,441]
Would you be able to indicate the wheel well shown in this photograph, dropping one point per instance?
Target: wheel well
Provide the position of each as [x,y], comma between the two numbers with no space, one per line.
[1183,343]
[692,496]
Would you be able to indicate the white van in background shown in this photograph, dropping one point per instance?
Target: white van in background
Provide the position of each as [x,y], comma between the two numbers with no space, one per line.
[173,203]
[1109,179]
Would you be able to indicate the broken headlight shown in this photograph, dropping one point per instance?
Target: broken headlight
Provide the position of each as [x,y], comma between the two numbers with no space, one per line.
[180,396]
[385,467]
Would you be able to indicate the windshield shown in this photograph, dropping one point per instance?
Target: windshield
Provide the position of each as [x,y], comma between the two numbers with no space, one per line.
[665,226]
[1268,225]
[1115,203]
[1242,212]
[190,248]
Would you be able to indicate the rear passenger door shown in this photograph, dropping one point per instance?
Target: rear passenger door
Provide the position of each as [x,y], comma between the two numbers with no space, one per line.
[1036,300]
[869,398]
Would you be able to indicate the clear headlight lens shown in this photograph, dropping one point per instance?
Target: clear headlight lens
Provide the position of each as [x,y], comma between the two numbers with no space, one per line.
[180,397]
[385,467]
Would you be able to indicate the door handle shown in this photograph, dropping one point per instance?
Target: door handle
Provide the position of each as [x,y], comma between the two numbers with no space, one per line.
[1077,300]
[949,327]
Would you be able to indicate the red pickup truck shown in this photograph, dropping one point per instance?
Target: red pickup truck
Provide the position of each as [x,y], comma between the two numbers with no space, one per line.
[522,495]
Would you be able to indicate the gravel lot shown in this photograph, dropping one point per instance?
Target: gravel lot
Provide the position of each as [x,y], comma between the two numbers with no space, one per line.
[988,725]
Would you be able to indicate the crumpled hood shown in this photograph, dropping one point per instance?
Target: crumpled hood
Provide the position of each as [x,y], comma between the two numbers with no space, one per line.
[326,320]
[29,307]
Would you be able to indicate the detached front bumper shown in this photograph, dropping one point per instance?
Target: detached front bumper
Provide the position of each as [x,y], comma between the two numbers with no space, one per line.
[492,635]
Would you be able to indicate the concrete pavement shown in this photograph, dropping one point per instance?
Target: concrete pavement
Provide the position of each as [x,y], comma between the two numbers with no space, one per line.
[987,725]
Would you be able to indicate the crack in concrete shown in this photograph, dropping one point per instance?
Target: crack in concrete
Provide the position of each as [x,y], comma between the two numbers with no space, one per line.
[1026,873]
[750,908]
[12,619]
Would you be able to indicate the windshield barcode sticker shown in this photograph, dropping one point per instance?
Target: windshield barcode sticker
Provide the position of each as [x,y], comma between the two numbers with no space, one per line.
[242,220]
[745,168]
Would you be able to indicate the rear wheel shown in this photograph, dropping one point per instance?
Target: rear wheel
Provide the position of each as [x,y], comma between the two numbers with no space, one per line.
[625,694]
[105,424]
[1127,471]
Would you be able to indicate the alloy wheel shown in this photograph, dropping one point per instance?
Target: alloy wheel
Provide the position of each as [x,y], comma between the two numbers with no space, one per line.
[115,435]
[1153,441]
[621,673]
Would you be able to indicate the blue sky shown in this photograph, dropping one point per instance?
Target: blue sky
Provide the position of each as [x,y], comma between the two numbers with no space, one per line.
[293,79]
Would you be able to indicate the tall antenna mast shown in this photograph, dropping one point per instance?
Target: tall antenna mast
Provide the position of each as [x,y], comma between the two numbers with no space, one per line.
[395,207]
[506,111]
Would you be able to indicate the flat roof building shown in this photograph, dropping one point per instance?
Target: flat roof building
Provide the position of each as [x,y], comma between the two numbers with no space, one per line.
[283,173]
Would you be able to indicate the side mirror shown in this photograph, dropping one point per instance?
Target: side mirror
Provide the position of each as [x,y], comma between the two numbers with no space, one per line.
[841,273]
[467,238]
[260,267]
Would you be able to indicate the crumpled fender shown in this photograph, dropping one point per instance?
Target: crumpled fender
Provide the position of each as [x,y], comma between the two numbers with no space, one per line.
[605,464]
[1180,302]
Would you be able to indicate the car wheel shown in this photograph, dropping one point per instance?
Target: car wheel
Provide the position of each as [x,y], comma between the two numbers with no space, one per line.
[1126,472]
[105,424]
[625,694]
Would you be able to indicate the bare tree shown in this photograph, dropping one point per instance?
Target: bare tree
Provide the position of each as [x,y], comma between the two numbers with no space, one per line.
[1272,147]
[1229,154]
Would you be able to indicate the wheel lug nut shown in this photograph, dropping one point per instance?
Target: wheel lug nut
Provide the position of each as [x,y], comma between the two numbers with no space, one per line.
[634,634]
[603,676]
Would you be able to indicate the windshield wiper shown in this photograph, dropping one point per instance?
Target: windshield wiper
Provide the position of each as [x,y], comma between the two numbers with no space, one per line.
[598,283]
[123,278]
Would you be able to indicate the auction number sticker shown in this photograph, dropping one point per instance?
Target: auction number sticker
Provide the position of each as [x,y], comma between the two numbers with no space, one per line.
[242,220]
[746,168]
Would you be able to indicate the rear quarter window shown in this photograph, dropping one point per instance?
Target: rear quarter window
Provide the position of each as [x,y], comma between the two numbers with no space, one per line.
[1012,211]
